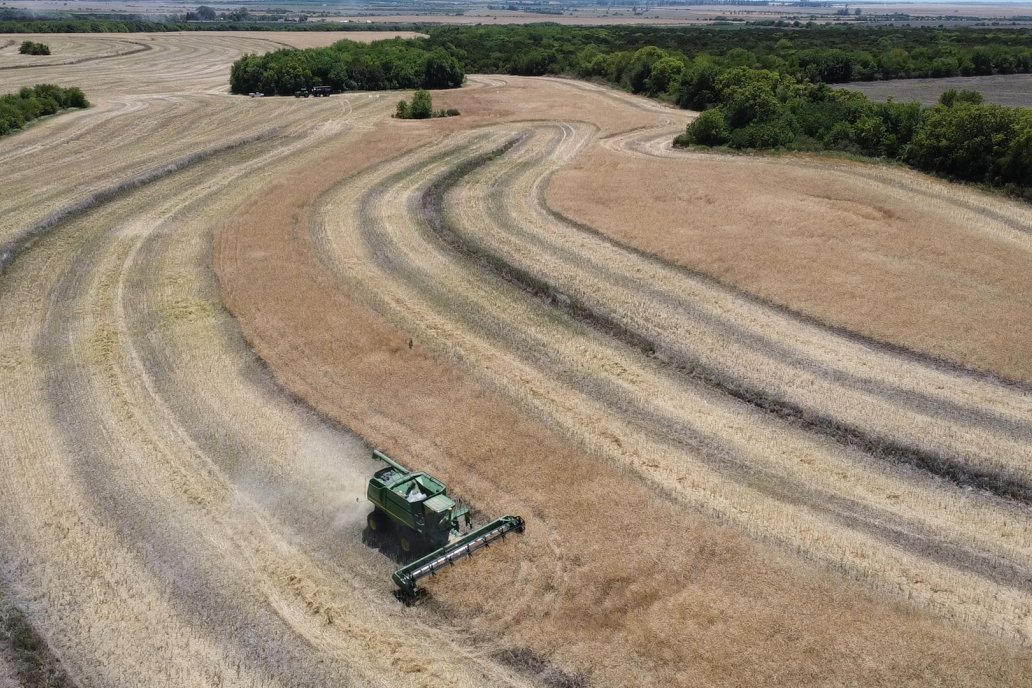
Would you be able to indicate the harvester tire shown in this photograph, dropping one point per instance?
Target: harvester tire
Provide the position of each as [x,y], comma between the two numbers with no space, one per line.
[407,541]
[377,523]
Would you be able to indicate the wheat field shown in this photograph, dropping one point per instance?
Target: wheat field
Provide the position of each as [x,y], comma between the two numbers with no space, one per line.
[213,306]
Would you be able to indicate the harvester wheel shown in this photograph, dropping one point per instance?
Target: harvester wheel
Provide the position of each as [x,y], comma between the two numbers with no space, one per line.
[407,541]
[377,523]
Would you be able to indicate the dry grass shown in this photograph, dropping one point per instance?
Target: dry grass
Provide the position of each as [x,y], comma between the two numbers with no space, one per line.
[596,602]
[67,49]
[154,476]
[1004,89]
[889,254]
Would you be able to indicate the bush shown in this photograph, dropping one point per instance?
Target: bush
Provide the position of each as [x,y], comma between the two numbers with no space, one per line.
[422,105]
[964,141]
[18,109]
[952,96]
[33,48]
[708,129]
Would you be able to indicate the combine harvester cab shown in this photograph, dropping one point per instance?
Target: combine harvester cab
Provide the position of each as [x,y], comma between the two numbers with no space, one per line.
[416,506]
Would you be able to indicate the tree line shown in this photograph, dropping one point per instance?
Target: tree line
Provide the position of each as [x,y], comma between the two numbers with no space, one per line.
[29,103]
[346,66]
[760,87]
[960,138]
[818,54]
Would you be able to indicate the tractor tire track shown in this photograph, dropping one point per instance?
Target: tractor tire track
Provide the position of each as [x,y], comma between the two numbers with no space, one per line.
[172,516]
[415,275]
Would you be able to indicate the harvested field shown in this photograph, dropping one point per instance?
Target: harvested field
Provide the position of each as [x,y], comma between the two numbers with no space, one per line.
[952,266]
[217,303]
[1003,89]
[66,49]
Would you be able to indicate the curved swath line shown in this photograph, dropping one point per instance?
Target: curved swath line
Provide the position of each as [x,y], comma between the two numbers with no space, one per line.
[915,399]
[142,49]
[665,425]
[929,362]
[23,240]
[949,468]
[751,338]
[391,261]
[748,299]
[874,521]
[668,293]
[368,231]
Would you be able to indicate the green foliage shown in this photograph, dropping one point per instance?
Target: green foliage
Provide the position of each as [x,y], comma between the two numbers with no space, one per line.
[966,141]
[708,129]
[422,105]
[961,138]
[348,66]
[18,109]
[628,55]
[952,96]
[33,48]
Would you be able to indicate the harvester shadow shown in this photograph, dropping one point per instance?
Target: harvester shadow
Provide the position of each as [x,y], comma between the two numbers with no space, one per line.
[386,543]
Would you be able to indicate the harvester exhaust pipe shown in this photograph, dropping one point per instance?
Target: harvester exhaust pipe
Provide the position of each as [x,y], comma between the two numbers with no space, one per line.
[407,577]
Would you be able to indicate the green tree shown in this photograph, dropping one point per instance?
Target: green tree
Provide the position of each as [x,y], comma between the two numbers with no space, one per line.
[33,48]
[422,105]
[708,129]
[664,74]
[748,95]
[442,71]
[964,141]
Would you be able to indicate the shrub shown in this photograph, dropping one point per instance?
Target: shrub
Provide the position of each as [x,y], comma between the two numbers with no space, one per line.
[33,48]
[952,96]
[708,129]
[422,105]
[18,109]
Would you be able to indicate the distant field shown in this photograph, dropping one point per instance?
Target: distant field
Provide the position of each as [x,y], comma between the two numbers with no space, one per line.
[1009,89]
[623,13]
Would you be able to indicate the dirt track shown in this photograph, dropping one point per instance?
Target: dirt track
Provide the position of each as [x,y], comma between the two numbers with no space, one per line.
[158,475]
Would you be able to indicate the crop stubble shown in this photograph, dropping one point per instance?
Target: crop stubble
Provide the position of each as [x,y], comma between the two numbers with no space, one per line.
[371,234]
[951,265]
[156,478]
[170,517]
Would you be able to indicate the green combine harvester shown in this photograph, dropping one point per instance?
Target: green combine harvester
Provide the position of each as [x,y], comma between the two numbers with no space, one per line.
[417,508]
